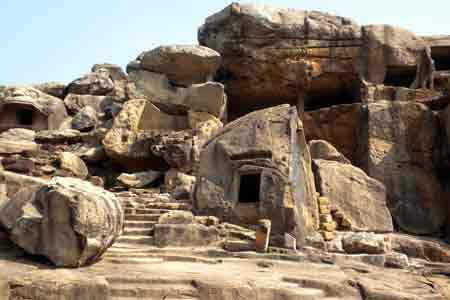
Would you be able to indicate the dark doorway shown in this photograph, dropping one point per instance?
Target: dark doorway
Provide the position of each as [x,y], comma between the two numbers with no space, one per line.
[249,188]
[441,57]
[400,76]
[25,117]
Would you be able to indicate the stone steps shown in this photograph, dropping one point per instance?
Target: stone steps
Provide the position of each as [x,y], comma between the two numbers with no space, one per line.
[138,231]
[136,239]
[157,205]
[143,217]
[133,211]
[139,224]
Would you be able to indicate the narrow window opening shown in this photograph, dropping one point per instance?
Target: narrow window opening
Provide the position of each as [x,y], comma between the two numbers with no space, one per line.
[249,188]
[25,117]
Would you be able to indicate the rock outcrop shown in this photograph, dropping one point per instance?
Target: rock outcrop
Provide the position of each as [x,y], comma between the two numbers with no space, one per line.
[401,140]
[262,157]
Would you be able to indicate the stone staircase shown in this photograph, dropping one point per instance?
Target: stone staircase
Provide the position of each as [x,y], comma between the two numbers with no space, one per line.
[142,212]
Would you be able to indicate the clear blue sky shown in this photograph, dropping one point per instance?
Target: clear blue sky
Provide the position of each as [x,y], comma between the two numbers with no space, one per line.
[59,40]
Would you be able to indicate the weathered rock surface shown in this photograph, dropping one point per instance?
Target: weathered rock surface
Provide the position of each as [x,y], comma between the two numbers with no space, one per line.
[75,103]
[96,83]
[68,220]
[360,198]
[366,243]
[85,120]
[56,89]
[339,125]
[421,247]
[59,284]
[179,185]
[321,149]
[20,134]
[177,218]
[268,144]
[183,64]
[72,163]
[208,97]
[58,136]
[27,107]
[271,56]
[401,140]
[139,180]
[185,235]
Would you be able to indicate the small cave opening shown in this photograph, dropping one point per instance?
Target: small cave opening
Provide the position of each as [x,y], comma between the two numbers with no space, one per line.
[249,188]
[24,117]
[332,89]
[441,57]
[400,76]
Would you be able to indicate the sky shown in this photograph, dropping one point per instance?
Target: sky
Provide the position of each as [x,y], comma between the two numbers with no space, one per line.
[59,40]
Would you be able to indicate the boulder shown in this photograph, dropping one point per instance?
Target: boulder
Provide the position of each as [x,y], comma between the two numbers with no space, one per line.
[85,120]
[55,89]
[29,108]
[179,185]
[366,243]
[265,173]
[208,97]
[340,125]
[97,83]
[321,149]
[177,217]
[183,64]
[174,147]
[75,103]
[399,151]
[429,249]
[185,235]
[361,199]
[139,180]
[113,71]
[10,146]
[72,163]
[18,134]
[67,220]
[11,183]
[58,136]
[140,127]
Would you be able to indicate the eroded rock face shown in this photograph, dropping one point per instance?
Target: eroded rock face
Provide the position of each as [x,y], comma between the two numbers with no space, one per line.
[70,221]
[262,157]
[321,149]
[272,56]
[199,64]
[360,198]
[401,139]
[208,97]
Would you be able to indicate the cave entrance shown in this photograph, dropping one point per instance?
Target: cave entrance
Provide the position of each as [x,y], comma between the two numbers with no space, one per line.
[400,76]
[441,57]
[24,117]
[249,188]
[333,89]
